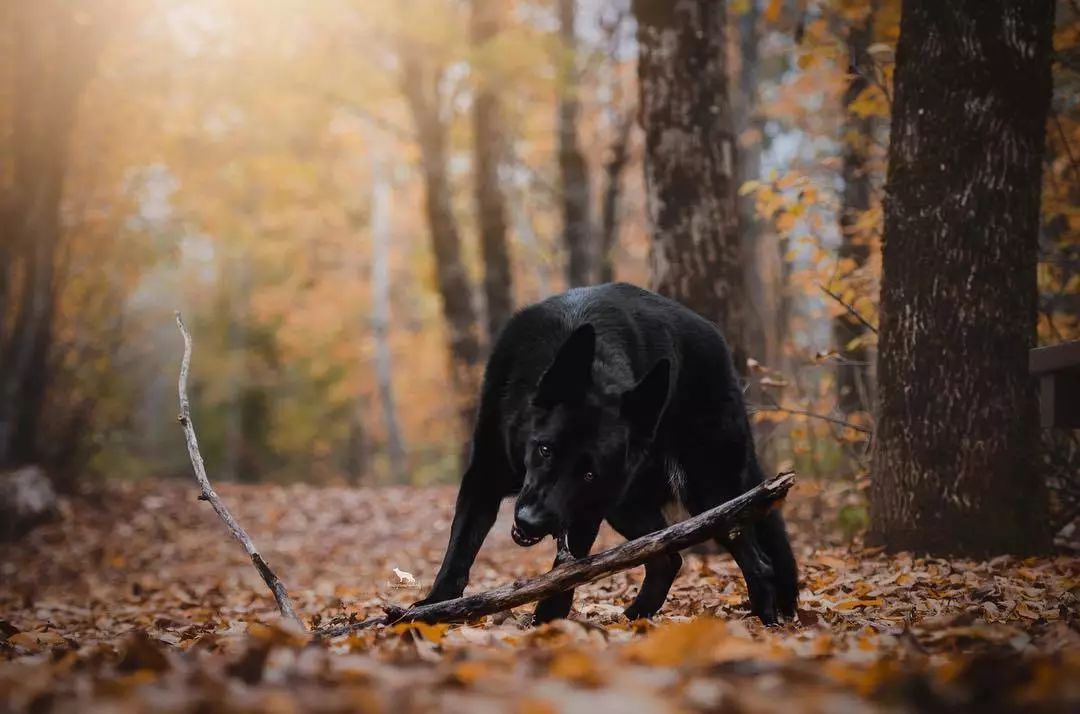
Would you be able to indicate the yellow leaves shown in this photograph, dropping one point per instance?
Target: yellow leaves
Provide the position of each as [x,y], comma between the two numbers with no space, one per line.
[700,641]
[432,633]
[469,673]
[576,666]
[773,10]
[35,641]
[853,603]
[871,102]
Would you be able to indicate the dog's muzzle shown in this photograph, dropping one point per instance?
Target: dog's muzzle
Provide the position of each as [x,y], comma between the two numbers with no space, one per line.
[523,539]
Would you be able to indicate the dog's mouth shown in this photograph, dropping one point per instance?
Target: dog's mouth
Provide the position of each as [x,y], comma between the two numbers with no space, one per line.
[523,539]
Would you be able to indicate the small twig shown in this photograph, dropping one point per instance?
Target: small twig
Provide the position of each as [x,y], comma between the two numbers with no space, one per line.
[724,519]
[851,310]
[281,595]
[823,417]
[777,407]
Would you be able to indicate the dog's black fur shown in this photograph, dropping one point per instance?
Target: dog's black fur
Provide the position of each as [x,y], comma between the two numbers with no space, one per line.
[611,402]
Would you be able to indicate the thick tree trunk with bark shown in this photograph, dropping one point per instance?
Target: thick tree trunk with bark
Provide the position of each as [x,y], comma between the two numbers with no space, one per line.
[573,170]
[690,161]
[488,152]
[853,381]
[47,70]
[956,468]
[421,87]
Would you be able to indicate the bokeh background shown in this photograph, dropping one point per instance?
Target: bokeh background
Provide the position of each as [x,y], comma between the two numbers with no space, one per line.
[346,197]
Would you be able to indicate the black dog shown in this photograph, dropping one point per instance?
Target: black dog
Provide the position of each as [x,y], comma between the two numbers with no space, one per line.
[612,402]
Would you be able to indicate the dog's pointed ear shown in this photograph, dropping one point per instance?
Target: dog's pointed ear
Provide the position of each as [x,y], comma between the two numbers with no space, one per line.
[643,404]
[570,373]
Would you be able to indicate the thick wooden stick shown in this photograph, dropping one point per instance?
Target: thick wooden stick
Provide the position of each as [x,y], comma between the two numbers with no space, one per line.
[281,595]
[727,518]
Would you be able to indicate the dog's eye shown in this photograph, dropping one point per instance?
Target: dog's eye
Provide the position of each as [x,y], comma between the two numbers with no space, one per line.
[589,476]
[544,450]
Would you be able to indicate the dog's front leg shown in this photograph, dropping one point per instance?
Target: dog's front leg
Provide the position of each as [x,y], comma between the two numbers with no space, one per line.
[474,515]
[574,543]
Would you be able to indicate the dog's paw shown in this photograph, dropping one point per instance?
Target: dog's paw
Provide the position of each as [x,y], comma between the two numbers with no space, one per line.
[639,612]
[556,608]
[437,596]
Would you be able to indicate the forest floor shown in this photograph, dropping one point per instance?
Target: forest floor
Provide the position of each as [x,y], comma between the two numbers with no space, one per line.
[139,599]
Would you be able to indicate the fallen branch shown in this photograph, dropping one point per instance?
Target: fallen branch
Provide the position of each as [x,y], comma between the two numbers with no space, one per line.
[727,518]
[281,595]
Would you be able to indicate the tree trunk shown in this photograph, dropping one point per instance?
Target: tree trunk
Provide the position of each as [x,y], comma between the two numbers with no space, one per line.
[613,174]
[956,468]
[52,54]
[530,243]
[488,152]
[852,380]
[749,132]
[381,238]
[421,88]
[573,171]
[690,161]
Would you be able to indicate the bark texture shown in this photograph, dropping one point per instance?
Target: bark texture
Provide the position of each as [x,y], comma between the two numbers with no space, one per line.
[955,469]
[48,56]
[488,152]
[690,161]
[421,87]
[573,170]
[853,382]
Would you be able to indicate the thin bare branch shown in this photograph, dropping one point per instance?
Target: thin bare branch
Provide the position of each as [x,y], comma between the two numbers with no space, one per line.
[777,407]
[850,310]
[281,595]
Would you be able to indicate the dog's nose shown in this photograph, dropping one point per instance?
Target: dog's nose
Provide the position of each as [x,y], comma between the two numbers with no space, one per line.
[529,519]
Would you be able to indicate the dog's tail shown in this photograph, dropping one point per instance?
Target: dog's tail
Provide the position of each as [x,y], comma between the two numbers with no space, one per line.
[773,538]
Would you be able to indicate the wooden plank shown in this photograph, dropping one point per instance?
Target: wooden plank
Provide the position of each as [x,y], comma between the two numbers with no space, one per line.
[1055,358]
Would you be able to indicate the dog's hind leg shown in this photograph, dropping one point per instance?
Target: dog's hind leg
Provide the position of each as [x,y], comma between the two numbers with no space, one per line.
[660,571]
[758,573]
[579,540]
[718,468]
[773,538]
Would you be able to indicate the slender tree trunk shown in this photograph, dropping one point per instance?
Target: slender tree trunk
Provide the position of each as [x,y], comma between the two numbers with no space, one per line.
[690,161]
[573,170]
[956,467]
[52,55]
[421,87]
[488,152]
[748,123]
[237,349]
[852,381]
[381,238]
[613,176]
[530,244]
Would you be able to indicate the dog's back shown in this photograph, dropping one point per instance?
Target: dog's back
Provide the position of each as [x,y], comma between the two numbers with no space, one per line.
[635,329]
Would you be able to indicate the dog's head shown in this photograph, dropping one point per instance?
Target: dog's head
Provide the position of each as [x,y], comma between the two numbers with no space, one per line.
[584,443]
